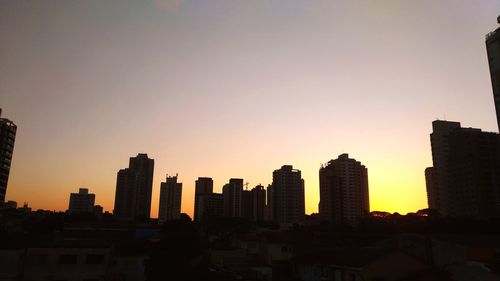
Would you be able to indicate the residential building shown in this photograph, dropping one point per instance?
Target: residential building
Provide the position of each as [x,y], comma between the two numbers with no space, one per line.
[232,193]
[75,259]
[125,196]
[211,206]
[493,50]
[258,203]
[431,186]
[465,178]
[287,196]
[247,205]
[170,200]
[359,264]
[133,189]
[7,138]
[81,202]
[343,188]
[203,186]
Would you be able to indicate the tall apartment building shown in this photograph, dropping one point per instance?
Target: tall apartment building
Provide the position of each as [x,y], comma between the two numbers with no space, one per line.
[133,189]
[465,178]
[493,50]
[439,174]
[170,200]
[203,186]
[7,138]
[211,206]
[433,198]
[343,189]
[232,193]
[286,196]
[258,203]
[81,202]
[247,205]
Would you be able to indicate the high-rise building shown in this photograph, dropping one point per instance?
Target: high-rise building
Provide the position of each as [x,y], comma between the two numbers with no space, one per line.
[81,202]
[203,186]
[133,189]
[287,203]
[431,186]
[440,170]
[465,178]
[247,205]
[7,138]
[232,193]
[143,166]
[269,213]
[170,200]
[211,206]
[343,191]
[258,203]
[493,50]
[125,195]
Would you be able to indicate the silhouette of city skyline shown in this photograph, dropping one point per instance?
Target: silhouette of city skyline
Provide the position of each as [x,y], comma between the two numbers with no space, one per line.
[262,232]
[283,201]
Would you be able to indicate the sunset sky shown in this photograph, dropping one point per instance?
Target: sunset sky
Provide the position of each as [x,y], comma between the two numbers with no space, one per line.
[237,88]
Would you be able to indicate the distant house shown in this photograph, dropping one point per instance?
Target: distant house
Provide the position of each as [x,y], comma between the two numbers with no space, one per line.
[366,264]
[32,258]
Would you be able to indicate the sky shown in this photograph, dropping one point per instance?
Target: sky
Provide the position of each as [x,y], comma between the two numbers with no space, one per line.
[236,89]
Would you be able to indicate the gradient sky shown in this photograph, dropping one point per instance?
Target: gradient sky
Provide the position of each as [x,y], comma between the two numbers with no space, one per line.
[237,88]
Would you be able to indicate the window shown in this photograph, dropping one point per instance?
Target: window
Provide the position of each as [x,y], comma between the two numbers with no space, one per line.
[94,259]
[67,259]
[40,259]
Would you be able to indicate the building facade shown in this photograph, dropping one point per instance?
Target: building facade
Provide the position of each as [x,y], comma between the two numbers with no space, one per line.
[170,200]
[258,203]
[211,206]
[247,205]
[431,186]
[286,196]
[7,139]
[493,51]
[343,188]
[81,202]
[465,178]
[133,189]
[232,193]
[203,186]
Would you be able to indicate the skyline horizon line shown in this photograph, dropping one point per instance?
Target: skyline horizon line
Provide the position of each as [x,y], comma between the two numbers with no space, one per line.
[191,214]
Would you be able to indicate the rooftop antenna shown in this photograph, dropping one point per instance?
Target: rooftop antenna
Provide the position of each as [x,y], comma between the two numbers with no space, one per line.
[246,186]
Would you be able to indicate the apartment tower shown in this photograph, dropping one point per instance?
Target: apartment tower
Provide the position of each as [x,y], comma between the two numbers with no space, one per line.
[286,196]
[493,51]
[7,138]
[343,189]
[133,189]
[204,186]
[465,178]
[170,200]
